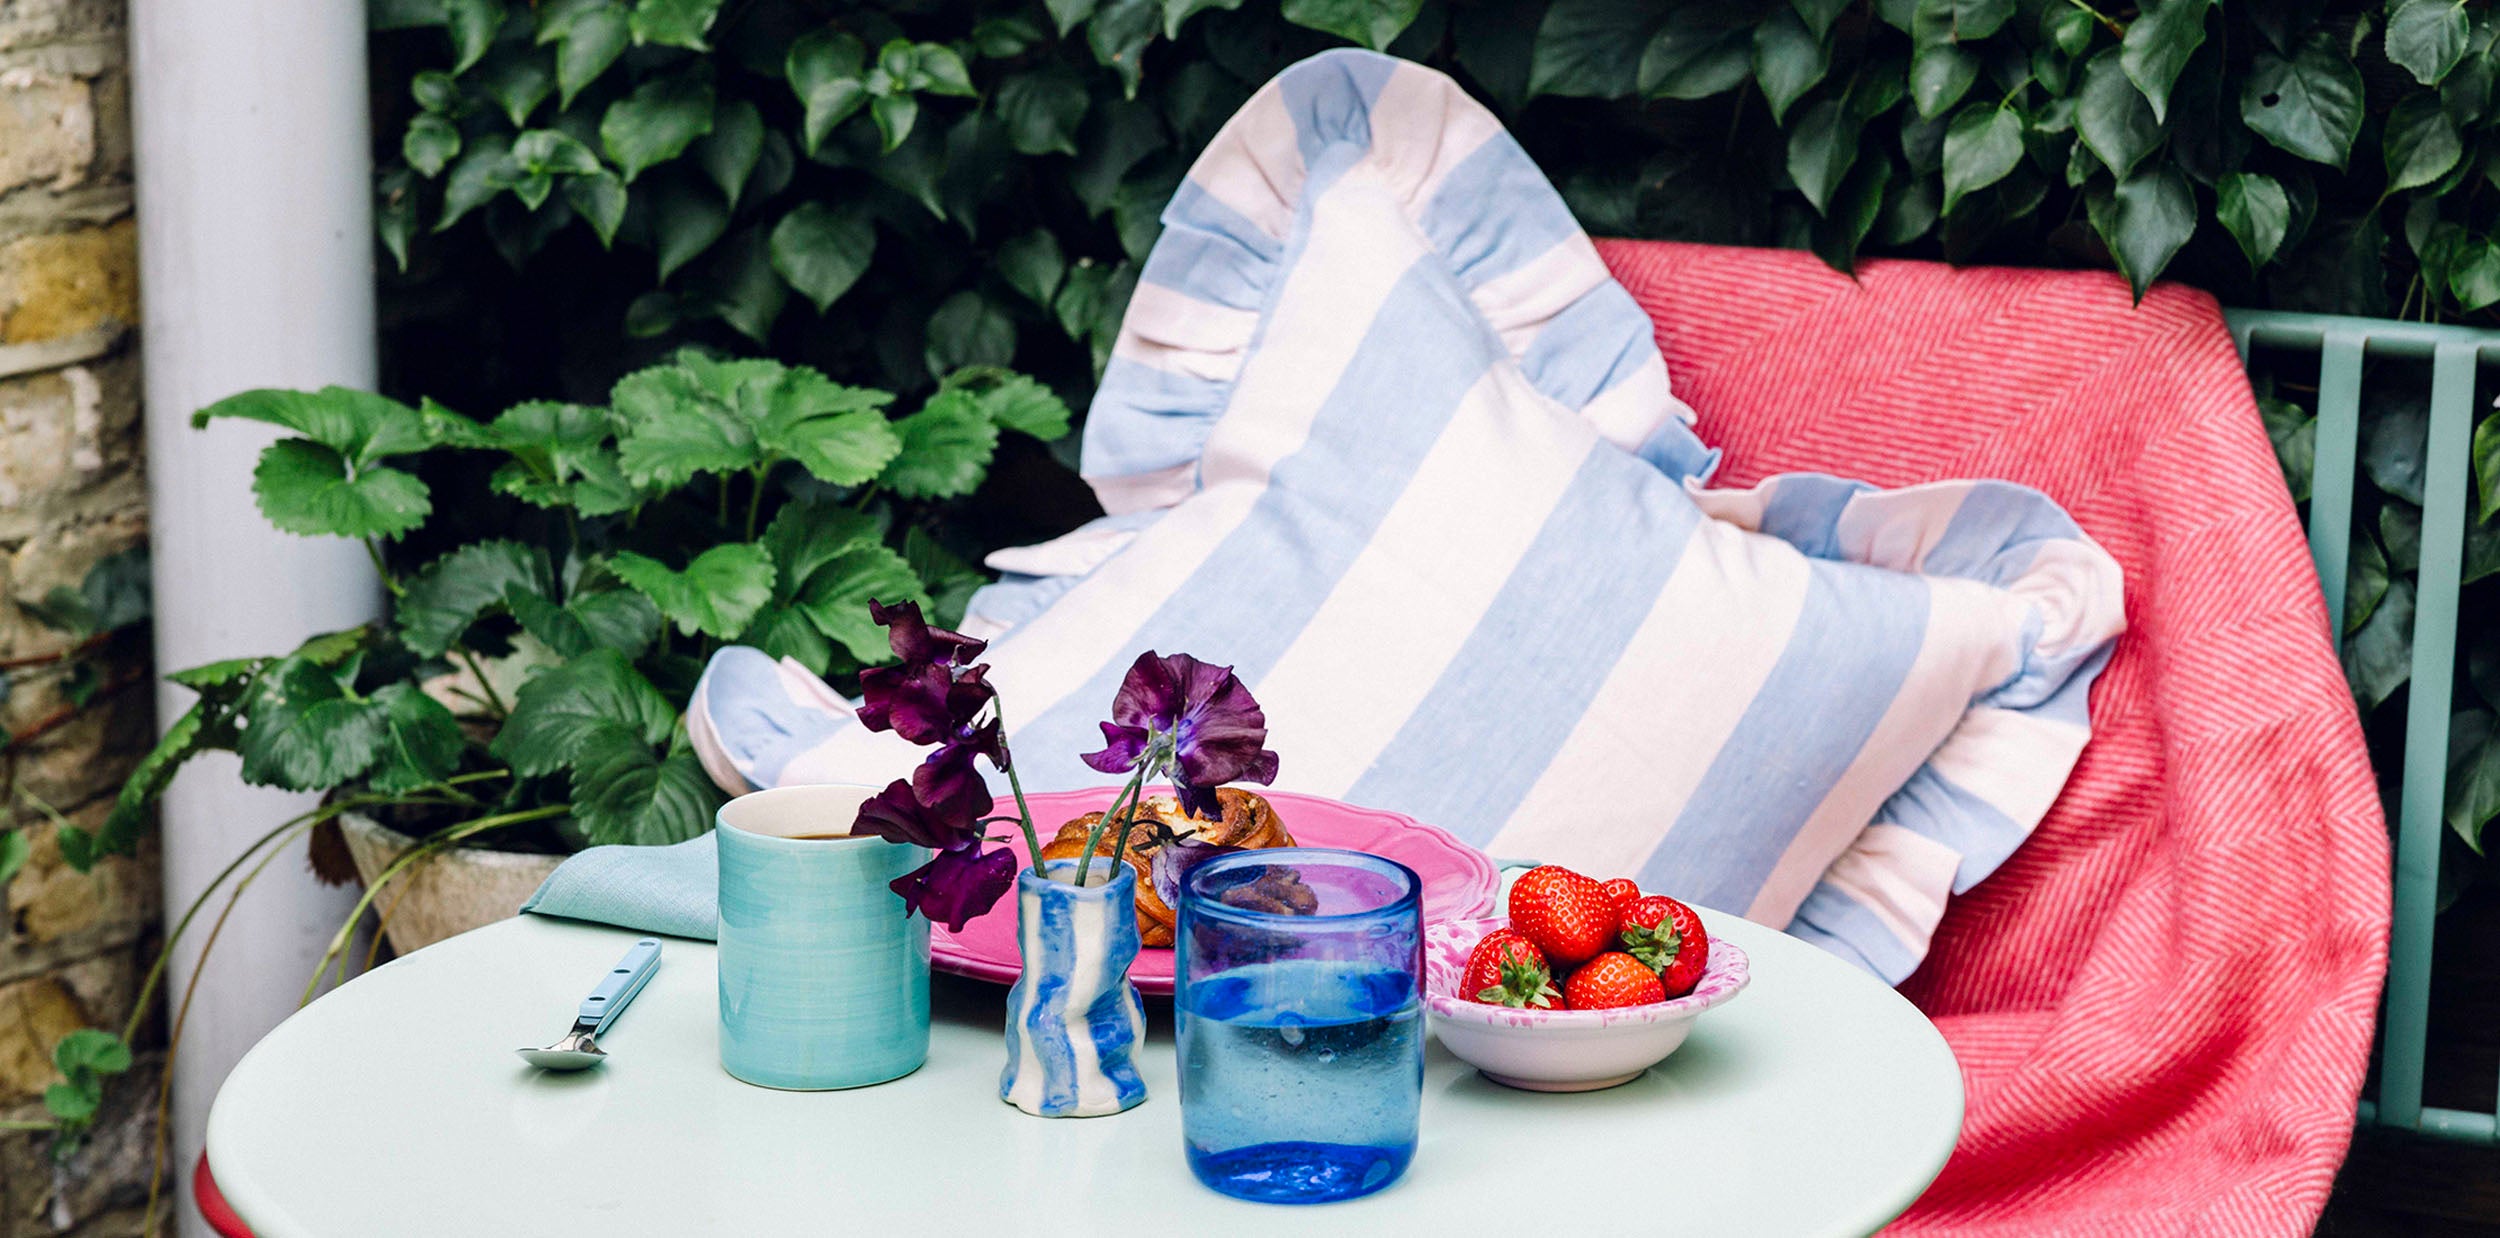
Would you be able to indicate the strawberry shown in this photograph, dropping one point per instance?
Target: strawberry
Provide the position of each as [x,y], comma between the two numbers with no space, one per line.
[1506,969]
[1620,891]
[1613,979]
[1563,914]
[1666,934]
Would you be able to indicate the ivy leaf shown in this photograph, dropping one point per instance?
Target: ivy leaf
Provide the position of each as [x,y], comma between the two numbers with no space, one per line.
[743,287]
[686,218]
[484,170]
[835,597]
[821,251]
[2113,117]
[1836,236]
[1176,13]
[1041,110]
[553,151]
[2253,207]
[2366,580]
[2474,280]
[674,429]
[2309,104]
[1119,31]
[1032,264]
[1820,14]
[1821,147]
[2428,37]
[306,732]
[430,143]
[591,42]
[968,330]
[2158,44]
[310,490]
[2473,774]
[623,792]
[675,23]
[1592,48]
[1940,74]
[599,198]
[2421,142]
[834,432]
[1983,144]
[947,447]
[2393,441]
[729,152]
[518,83]
[1067,15]
[717,594]
[2486,454]
[2378,659]
[656,123]
[1370,23]
[1958,21]
[2144,222]
[1788,59]
[894,115]
[825,69]
[473,25]
[421,741]
[564,707]
[440,603]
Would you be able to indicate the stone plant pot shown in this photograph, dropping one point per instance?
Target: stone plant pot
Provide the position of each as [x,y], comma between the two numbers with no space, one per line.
[459,889]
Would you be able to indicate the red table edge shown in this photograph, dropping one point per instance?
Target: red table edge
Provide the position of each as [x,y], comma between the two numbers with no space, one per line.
[213,1205]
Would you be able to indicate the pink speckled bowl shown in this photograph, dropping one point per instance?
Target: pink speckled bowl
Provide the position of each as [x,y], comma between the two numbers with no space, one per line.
[1562,1050]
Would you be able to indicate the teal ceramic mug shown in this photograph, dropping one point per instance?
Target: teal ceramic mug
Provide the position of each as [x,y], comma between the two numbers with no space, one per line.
[824,981]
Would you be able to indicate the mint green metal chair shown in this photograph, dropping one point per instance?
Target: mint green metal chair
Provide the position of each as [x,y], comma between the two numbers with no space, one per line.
[2342,345]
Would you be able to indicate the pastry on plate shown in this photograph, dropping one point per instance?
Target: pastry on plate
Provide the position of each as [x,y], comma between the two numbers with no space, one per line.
[1248,822]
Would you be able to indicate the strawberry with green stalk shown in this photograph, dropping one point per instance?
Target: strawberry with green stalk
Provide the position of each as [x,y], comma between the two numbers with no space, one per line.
[1506,969]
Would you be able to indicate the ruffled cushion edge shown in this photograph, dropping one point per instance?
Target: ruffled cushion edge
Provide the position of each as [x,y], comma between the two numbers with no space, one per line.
[1204,294]
[1985,788]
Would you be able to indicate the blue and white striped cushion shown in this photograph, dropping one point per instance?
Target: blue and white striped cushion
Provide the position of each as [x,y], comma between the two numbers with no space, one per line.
[1386,437]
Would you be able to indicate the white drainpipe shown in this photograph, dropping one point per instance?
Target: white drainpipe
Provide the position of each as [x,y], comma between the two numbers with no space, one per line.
[256,270]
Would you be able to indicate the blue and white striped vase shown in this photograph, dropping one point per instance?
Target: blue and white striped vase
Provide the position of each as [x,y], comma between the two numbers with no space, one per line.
[1073,1019]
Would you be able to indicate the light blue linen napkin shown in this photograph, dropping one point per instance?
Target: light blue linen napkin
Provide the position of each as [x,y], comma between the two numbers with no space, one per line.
[673,890]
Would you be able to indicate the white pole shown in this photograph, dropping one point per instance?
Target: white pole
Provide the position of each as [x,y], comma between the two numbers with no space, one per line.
[256,270]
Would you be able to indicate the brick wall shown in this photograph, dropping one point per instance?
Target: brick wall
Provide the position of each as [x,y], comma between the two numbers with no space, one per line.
[73,946]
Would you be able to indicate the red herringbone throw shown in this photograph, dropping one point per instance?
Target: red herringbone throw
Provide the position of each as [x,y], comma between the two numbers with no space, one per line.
[2163,1003]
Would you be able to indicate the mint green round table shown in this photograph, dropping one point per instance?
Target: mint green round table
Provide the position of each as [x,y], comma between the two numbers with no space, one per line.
[1818,1102]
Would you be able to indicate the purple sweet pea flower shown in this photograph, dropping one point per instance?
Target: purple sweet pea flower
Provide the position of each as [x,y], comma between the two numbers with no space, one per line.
[1217,732]
[948,784]
[914,641]
[1176,859]
[928,704]
[897,815]
[958,885]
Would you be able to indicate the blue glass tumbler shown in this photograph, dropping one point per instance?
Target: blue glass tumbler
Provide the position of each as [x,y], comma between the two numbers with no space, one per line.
[1301,1023]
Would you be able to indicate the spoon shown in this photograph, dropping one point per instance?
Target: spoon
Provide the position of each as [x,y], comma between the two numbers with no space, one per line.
[579,1047]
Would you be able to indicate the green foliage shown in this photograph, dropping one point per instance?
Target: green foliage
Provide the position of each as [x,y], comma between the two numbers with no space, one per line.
[708,500]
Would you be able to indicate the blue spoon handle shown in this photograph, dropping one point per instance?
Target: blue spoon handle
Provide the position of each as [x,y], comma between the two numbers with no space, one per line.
[619,985]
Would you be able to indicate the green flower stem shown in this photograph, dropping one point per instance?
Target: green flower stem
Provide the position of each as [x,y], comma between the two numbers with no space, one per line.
[1085,859]
[423,851]
[755,497]
[1024,811]
[1156,758]
[373,550]
[494,700]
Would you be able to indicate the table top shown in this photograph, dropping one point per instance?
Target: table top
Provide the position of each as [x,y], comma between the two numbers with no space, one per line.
[1818,1102]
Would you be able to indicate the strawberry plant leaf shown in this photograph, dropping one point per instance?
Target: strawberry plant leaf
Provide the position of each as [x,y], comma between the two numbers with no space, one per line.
[624,792]
[305,488]
[456,590]
[673,429]
[562,709]
[421,741]
[946,449]
[717,594]
[307,733]
[833,431]
[2473,774]
[835,597]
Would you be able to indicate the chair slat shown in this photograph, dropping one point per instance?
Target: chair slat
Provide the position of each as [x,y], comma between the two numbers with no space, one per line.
[2331,480]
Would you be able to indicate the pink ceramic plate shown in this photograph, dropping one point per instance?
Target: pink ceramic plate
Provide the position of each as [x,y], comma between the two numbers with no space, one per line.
[1458,881]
